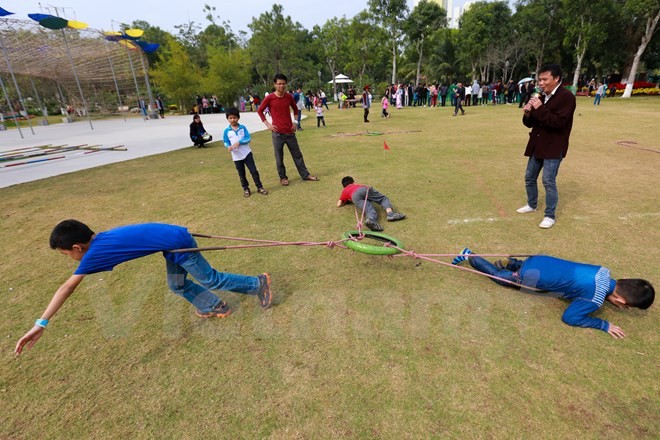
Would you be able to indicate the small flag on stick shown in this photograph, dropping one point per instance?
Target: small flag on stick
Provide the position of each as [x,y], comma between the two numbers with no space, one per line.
[385,146]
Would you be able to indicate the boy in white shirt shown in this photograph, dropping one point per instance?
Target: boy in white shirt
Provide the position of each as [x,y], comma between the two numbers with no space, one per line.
[237,140]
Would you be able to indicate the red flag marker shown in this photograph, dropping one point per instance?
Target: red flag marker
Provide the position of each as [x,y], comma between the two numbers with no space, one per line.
[385,146]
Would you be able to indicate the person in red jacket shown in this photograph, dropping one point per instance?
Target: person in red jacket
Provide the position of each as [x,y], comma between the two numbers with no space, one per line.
[281,104]
[550,116]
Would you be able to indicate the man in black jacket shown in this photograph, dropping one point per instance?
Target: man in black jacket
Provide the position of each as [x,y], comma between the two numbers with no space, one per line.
[550,117]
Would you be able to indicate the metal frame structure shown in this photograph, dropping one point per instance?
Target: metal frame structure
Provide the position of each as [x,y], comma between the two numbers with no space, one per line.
[77,70]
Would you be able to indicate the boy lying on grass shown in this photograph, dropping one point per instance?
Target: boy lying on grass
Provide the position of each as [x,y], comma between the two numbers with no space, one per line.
[586,285]
[363,196]
[103,251]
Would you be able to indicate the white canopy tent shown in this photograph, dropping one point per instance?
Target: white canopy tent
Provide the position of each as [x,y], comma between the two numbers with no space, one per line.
[340,79]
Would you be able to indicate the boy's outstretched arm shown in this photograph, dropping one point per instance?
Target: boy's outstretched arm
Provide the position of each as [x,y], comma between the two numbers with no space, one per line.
[62,294]
[577,312]
[340,203]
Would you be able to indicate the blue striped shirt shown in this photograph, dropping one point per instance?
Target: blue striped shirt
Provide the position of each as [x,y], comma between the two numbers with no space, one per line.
[585,284]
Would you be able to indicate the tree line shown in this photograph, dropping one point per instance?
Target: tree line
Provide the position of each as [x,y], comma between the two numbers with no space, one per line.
[388,43]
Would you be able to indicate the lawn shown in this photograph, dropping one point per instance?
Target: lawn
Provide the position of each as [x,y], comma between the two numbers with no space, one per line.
[355,346]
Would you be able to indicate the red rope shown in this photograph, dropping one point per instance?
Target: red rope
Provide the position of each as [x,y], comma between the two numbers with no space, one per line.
[361,217]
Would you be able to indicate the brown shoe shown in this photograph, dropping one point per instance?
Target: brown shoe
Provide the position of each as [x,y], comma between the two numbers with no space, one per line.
[220,311]
[284,182]
[312,178]
[262,191]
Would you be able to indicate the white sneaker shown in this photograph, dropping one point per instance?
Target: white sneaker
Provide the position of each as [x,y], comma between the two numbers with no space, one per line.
[525,209]
[547,223]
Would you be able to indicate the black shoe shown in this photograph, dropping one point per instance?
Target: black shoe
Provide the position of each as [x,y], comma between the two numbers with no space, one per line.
[395,216]
[264,293]
[373,225]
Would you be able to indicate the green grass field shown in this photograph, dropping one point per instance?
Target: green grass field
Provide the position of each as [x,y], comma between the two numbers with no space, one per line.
[355,346]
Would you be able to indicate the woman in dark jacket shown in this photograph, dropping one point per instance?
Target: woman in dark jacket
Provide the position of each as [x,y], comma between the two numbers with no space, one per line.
[198,134]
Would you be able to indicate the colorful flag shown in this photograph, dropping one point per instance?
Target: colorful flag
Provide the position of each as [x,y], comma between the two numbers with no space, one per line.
[385,146]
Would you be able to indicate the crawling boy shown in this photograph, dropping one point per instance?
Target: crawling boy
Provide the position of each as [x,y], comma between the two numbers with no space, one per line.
[586,285]
[363,196]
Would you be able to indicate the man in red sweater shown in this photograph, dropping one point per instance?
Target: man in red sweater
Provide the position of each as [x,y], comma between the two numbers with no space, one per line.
[280,104]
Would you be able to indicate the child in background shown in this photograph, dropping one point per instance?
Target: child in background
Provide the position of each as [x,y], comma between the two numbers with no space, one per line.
[385,104]
[358,194]
[237,140]
[318,107]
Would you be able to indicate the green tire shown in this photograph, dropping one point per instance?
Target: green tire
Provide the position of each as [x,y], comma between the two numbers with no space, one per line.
[370,248]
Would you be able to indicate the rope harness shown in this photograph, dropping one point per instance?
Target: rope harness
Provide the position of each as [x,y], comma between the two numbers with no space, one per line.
[340,244]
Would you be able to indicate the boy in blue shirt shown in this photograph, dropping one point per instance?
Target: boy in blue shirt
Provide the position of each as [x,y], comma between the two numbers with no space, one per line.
[586,285]
[237,140]
[103,251]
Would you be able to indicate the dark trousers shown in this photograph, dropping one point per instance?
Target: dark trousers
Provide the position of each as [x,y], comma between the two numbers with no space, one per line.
[510,273]
[366,115]
[249,163]
[288,139]
[459,106]
[320,119]
[198,141]
[443,98]
[371,195]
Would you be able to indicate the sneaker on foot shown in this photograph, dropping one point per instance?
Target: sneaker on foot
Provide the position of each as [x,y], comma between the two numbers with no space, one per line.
[262,191]
[264,293]
[394,216]
[525,209]
[462,257]
[547,223]
[246,192]
[373,225]
[220,311]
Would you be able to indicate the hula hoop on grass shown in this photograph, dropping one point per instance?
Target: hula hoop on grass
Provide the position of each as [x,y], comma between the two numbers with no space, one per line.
[370,248]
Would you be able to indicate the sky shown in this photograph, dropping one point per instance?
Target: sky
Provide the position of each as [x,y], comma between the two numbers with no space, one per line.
[104,14]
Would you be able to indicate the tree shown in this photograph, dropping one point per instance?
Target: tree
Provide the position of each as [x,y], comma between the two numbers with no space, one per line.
[585,24]
[424,19]
[392,15]
[176,75]
[483,27]
[442,60]
[332,41]
[278,45]
[537,23]
[646,15]
[228,75]
[367,56]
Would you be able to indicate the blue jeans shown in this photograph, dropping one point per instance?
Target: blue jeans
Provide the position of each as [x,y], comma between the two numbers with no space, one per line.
[210,279]
[509,273]
[597,100]
[549,179]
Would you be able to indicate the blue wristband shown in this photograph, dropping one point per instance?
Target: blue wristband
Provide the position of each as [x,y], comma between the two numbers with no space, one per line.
[41,323]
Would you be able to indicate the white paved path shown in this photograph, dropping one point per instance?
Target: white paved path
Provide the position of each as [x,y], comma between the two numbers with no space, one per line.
[141,138]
